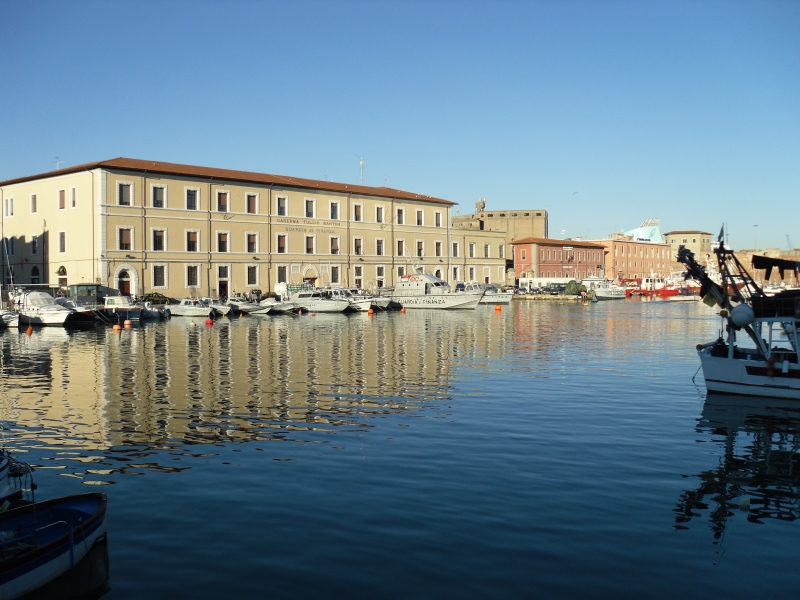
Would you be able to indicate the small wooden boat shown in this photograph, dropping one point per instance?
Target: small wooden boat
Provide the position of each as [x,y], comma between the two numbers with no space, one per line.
[43,540]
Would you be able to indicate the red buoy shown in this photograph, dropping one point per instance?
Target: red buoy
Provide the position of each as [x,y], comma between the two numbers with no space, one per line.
[209,321]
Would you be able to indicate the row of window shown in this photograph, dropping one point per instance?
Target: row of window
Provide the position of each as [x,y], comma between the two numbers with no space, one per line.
[158,199]
[694,240]
[8,205]
[571,256]
[10,248]
[158,243]
[644,252]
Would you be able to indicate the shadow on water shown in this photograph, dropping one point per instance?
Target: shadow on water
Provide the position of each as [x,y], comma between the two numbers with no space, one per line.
[758,472]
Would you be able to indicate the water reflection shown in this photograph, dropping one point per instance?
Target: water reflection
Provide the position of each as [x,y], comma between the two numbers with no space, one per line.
[87,581]
[758,475]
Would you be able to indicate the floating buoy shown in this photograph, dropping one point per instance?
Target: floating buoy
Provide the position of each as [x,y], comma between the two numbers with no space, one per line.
[117,328]
[240,315]
[209,321]
[128,323]
[403,310]
[313,314]
[29,330]
[497,308]
[370,311]
[299,311]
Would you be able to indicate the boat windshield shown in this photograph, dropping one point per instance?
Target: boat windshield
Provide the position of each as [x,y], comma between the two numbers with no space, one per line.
[40,300]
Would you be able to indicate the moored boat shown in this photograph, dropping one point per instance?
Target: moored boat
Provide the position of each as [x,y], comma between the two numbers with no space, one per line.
[191,307]
[423,290]
[9,318]
[120,308]
[770,364]
[491,294]
[43,540]
[39,308]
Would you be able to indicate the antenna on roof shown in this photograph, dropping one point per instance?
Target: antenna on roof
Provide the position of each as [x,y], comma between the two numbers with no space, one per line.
[360,166]
[58,161]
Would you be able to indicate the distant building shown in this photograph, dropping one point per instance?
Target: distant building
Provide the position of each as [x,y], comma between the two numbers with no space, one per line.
[543,258]
[516,223]
[695,240]
[627,258]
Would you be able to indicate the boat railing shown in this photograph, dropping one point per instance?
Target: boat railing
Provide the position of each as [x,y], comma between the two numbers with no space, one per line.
[70,533]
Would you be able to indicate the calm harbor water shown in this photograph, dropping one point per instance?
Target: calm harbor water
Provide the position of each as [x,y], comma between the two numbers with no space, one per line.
[549,450]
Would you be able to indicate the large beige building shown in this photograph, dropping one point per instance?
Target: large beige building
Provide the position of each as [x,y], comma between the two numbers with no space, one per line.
[515,224]
[695,240]
[141,226]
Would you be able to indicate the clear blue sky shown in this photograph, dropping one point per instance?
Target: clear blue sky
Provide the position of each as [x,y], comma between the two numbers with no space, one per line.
[687,111]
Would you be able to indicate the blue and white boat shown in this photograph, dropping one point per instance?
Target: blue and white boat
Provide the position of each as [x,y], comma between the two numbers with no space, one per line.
[43,540]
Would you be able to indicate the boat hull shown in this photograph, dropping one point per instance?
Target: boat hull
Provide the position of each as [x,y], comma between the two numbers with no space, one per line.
[453,300]
[27,571]
[609,294]
[317,305]
[191,311]
[48,317]
[121,314]
[750,377]
[9,319]
[501,298]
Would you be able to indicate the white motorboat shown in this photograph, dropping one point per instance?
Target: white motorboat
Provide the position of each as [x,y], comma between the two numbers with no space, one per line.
[423,290]
[381,302]
[39,308]
[191,307]
[603,289]
[491,295]
[316,302]
[240,304]
[8,318]
[277,306]
[770,364]
[118,309]
[219,307]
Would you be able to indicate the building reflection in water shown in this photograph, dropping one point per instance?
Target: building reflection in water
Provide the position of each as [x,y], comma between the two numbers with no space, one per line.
[758,475]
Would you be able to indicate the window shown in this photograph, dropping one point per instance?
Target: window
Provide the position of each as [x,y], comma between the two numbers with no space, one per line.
[192,244]
[281,206]
[9,207]
[334,274]
[159,240]
[334,211]
[501,251]
[222,201]
[400,216]
[123,195]
[400,247]
[252,204]
[455,273]
[309,244]
[62,241]
[309,209]
[358,246]
[73,193]
[400,272]
[159,276]
[191,199]
[124,239]
[357,212]
[282,278]
[420,220]
[438,248]
[281,244]
[252,243]
[34,244]
[358,271]
[684,240]
[62,198]
[379,247]
[35,275]
[437,219]
[472,250]
[379,214]
[694,240]
[420,248]
[252,275]
[455,249]
[471,274]
[222,242]
[380,273]
[334,245]
[9,243]
[34,208]
[157,196]
[486,251]
[192,276]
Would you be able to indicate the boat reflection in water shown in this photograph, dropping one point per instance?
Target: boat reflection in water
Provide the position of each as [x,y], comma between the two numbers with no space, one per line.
[87,581]
[758,475]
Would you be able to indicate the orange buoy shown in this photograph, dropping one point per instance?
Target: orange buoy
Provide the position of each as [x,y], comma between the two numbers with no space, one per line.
[29,330]
[128,323]
[497,308]
[370,311]
[313,314]
[209,322]
[403,310]
[116,328]
[240,315]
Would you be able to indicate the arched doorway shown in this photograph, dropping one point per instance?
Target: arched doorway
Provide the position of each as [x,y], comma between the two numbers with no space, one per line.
[62,276]
[124,283]
[35,275]
[310,275]
[438,273]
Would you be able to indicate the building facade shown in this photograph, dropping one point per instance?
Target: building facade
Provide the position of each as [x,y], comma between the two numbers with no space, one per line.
[515,224]
[695,240]
[141,226]
[631,259]
[541,258]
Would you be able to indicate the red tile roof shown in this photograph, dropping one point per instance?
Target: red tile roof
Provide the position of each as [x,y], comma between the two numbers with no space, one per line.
[165,168]
[552,242]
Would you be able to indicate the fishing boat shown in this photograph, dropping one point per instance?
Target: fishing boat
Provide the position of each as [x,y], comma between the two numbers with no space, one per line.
[43,540]
[38,308]
[757,352]
[424,290]
[117,309]
[603,289]
[191,307]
